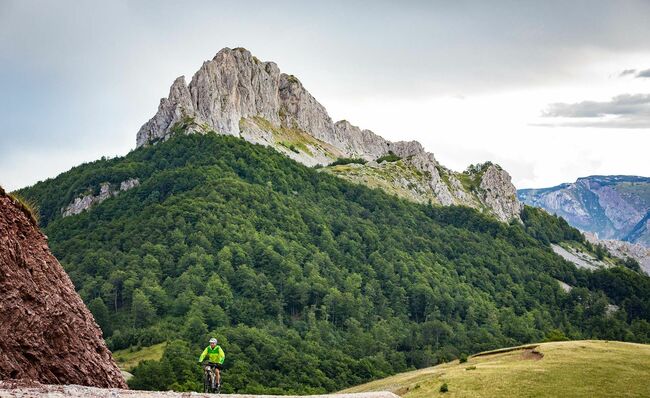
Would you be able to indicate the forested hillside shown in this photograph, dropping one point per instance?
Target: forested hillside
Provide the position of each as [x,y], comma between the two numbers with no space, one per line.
[311,283]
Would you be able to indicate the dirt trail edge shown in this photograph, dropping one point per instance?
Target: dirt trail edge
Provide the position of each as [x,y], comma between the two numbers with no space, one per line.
[18,389]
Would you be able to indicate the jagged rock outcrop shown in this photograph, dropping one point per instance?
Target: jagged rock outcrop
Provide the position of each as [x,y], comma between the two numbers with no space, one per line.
[498,194]
[612,207]
[361,143]
[236,94]
[46,332]
[85,202]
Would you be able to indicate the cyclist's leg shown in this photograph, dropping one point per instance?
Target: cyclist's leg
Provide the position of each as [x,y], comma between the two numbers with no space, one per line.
[215,375]
[218,370]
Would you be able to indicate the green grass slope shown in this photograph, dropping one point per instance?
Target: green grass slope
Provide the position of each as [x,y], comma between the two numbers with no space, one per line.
[129,358]
[587,368]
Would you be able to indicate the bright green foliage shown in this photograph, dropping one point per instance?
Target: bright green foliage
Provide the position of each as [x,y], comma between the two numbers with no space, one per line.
[549,228]
[101,315]
[344,161]
[152,375]
[310,283]
[129,358]
[141,309]
[555,335]
[390,157]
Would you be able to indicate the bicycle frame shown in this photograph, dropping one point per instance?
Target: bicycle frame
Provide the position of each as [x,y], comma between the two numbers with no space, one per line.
[210,382]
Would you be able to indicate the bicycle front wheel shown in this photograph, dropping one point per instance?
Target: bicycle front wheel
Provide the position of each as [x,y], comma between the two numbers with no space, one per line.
[207,381]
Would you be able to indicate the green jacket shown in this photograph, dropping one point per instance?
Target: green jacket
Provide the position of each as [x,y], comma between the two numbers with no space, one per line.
[215,355]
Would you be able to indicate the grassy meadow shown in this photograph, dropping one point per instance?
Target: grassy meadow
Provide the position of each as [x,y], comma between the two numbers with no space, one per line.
[586,368]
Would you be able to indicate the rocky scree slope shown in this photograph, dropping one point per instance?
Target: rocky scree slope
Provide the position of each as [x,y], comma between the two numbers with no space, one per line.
[237,94]
[623,250]
[612,207]
[46,332]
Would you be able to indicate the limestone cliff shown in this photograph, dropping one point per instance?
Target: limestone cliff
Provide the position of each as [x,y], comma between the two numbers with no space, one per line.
[84,202]
[237,94]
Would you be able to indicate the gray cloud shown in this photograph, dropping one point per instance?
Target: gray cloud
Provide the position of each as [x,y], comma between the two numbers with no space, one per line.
[624,104]
[622,111]
[627,72]
[643,73]
[105,65]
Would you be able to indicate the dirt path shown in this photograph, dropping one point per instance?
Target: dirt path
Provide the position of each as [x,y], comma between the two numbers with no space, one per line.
[22,389]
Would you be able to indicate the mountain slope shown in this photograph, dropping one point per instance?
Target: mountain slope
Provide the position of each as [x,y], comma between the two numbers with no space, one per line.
[46,332]
[567,369]
[613,207]
[310,282]
[237,94]
[641,232]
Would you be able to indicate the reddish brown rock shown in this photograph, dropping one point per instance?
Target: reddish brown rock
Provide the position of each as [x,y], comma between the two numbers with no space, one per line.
[46,332]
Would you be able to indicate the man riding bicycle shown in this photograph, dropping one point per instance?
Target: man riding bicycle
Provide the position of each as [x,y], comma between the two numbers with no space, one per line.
[215,356]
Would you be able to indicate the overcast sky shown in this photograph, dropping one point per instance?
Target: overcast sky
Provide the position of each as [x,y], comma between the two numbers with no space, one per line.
[550,90]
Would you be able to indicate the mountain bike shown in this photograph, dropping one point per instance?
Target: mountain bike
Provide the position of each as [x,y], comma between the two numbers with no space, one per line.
[210,382]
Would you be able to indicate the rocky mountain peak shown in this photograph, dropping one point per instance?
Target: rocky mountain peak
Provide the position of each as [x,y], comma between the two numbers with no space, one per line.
[237,94]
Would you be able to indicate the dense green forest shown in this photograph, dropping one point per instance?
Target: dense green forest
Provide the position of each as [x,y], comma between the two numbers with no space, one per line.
[311,284]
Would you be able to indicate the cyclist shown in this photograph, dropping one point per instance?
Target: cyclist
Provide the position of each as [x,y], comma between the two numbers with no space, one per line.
[215,356]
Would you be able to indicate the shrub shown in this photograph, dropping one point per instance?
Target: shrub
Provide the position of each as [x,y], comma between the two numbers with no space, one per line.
[344,161]
[390,157]
[27,206]
[290,146]
[444,387]
[555,335]
[630,263]
[470,367]
[462,358]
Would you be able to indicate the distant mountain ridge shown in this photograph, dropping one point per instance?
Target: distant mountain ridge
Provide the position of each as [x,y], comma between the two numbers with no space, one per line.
[612,207]
[237,94]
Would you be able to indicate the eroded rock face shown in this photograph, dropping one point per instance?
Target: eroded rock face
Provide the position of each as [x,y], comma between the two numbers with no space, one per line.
[85,202]
[46,332]
[498,193]
[360,143]
[236,94]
